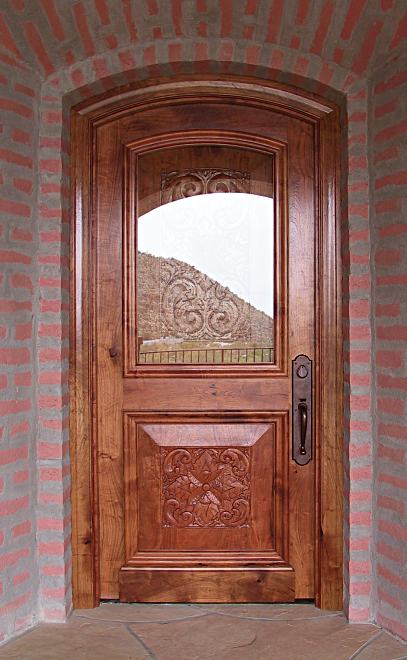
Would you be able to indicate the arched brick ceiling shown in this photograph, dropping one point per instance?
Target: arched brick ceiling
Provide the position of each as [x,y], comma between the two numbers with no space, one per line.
[51,34]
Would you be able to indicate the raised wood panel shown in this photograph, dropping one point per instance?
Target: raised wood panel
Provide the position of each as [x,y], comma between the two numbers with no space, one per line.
[171,506]
[265,528]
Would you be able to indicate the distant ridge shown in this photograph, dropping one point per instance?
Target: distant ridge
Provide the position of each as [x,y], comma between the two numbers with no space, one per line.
[177,300]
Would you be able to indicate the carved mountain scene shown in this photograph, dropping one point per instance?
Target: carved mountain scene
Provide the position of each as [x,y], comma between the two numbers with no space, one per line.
[181,309]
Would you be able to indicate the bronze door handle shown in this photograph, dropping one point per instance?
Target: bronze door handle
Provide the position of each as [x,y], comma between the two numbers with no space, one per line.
[302,410]
[303,414]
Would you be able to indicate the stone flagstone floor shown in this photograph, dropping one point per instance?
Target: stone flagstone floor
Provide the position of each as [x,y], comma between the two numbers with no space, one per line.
[205,632]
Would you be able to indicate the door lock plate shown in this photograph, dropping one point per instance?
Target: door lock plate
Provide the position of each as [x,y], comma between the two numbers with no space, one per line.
[302,409]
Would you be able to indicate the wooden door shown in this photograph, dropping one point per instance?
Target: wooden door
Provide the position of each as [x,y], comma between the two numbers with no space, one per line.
[200,498]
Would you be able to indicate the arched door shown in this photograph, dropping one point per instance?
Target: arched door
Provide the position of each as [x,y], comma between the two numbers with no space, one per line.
[206,326]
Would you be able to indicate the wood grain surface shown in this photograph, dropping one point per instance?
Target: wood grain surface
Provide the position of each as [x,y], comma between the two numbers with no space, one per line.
[120,412]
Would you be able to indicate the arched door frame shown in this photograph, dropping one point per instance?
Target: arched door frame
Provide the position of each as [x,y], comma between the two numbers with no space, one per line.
[329,407]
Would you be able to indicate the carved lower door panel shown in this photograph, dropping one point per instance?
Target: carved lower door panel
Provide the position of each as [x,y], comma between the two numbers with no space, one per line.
[206,512]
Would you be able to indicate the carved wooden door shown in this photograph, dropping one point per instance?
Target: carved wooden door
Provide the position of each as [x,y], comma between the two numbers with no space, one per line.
[204,294]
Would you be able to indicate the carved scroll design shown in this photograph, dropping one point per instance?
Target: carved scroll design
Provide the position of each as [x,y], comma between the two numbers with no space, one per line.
[205,487]
[194,306]
[188,183]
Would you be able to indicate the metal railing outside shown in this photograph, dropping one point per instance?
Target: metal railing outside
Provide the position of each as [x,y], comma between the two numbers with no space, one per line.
[254,355]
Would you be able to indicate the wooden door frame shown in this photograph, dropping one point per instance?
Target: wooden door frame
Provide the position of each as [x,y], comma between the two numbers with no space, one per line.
[85,117]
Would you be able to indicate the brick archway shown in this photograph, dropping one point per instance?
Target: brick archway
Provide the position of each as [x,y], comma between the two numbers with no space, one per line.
[89,80]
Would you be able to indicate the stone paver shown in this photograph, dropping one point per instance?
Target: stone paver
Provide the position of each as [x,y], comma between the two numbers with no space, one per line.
[205,632]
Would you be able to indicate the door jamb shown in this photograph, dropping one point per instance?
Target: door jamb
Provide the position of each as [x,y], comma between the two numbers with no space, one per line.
[329,405]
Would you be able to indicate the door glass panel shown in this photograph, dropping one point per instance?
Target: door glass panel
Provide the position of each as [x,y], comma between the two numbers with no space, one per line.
[205,280]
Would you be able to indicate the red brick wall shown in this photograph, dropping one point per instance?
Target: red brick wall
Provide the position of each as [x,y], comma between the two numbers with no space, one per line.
[19,99]
[389,196]
[357,360]
[53,512]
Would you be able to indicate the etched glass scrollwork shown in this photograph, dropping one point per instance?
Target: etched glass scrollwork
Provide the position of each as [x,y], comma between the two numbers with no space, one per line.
[205,272]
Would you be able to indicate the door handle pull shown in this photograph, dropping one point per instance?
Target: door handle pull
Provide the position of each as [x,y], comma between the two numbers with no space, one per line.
[302,410]
[303,415]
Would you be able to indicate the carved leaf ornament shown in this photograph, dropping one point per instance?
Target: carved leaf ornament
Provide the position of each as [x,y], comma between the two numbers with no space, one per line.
[188,183]
[205,487]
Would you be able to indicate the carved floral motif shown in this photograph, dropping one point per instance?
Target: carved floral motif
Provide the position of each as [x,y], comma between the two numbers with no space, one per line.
[205,487]
[188,183]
